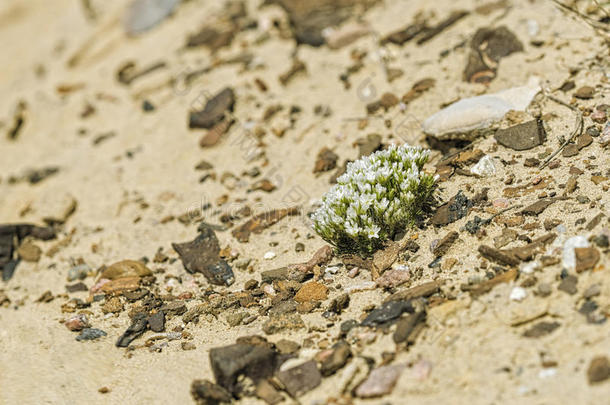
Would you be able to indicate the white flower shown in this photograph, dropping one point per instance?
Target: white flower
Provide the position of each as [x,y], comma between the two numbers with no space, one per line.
[376,197]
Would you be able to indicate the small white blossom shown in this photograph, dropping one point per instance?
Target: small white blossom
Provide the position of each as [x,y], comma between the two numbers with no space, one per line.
[376,197]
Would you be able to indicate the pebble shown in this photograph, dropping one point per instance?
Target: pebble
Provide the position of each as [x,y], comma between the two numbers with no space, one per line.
[205,392]
[541,329]
[202,255]
[312,291]
[270,255]
[29,252]
[568,285]
[90,334]
[585,92]
[394,277]
[214,111]
[230,362]
[523,136]
[77,322]
[518,294]
[381,381]
[126,268]
[484,167]
[388,311]
[599,370]
[586,258]
[469,117]
[78,272]
[300,379]
[334,359]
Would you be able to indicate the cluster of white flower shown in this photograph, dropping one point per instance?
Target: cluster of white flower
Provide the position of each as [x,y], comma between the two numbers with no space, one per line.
[377,196]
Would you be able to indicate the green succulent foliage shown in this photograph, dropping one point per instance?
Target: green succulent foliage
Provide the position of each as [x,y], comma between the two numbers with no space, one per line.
[378,196]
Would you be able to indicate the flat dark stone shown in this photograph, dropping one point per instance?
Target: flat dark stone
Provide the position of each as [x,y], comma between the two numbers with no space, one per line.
[206,392]
[405,326]
[453,210]
[157,322]
[300,379]
[388,311]
[229,362]
[134,331]
[214,110]
[90,334]
[341,353]
[202,256]
[538,207]
[444,244]
[541,329]
[523,136]
[489,45]
[498,256]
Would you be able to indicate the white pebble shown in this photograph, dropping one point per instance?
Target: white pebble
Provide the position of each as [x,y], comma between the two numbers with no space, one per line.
[518,294]
[485,167]
[269,255]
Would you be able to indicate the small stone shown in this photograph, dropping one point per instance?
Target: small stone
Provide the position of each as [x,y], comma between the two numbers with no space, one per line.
[112,305]
[518,294]
[601,241]
[103,390]
[77,323]
[586,258]
[570,150]
[393,278]
[214,110]
[387,312]
[270,255]
[538,207]
[453,210]
[598,116]
[585,92]
[235,319]
[568,285]
[380,381]
[120,285]
[282,322]
[544,289]
[299,247]
[335,359]
[484,167]
[326,160]
[228,363]
[541,329]
[444,244]
[78,272]
[177,307]
[285,346]
[157,322]
[29,252]
[188,346]
[135,330]
[312,291]
[523,136]
[90,334]
[202,255]
[125,268]
[498,256]
[388,100]
[300,379]
[599,370]
[205,392]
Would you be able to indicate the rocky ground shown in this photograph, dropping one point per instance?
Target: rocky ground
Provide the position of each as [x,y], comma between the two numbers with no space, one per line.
[160,161]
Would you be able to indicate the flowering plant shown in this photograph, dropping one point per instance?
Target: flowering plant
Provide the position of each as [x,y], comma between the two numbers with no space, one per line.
[378,196]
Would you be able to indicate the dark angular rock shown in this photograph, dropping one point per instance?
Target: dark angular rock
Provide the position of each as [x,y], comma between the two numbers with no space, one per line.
[135,330]
[11,236]
[341,352]
[202,256]
[157,322]
[453,210]
[538,207]
[327,160]
[488,46]
[229,362]
[214,110]
[387,312]
[90,334]
[444,244]
[205,392]
[300,379]
[499,256]
[522,136]
[406,326]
